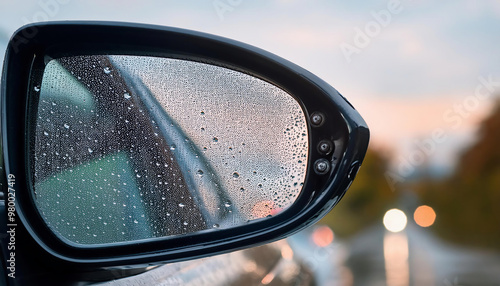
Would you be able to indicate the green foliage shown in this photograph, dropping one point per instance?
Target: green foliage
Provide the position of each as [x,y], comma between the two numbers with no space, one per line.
[468,203]
[366,200]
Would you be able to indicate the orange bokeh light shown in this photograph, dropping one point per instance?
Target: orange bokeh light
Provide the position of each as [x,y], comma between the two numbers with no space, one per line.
[322,236]
[424,216]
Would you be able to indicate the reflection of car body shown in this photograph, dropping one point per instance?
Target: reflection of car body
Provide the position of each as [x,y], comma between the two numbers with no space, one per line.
[270,264]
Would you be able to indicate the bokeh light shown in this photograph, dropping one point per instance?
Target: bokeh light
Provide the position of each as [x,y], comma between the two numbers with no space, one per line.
[395,220]
[323,236]
[424,216]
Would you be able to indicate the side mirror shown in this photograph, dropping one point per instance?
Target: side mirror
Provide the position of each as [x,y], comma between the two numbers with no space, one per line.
[133,144]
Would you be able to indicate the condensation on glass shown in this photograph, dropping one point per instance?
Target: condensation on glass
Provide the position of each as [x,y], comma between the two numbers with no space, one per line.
[128,148]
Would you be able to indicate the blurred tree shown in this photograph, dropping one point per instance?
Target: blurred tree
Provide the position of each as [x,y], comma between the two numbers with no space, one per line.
[366,200]
[468,203]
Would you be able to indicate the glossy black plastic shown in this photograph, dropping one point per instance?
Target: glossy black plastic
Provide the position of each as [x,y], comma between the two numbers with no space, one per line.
[32,45]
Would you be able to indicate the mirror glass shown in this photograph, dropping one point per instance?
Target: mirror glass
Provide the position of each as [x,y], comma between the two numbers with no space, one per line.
[131,147]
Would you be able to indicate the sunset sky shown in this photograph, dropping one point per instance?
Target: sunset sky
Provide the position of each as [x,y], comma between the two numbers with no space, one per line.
[410,62]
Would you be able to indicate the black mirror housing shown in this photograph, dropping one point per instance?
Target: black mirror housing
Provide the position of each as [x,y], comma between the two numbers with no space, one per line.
[338,136]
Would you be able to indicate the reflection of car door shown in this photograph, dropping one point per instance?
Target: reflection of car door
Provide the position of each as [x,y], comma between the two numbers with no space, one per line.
[110,136]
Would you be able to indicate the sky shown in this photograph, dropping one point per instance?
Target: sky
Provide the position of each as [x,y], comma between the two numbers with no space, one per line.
[411,67]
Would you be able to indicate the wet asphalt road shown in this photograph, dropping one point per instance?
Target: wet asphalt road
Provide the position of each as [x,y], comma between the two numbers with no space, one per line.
[414,257]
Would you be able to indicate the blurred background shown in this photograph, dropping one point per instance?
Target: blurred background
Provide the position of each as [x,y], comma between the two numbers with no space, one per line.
[425,75]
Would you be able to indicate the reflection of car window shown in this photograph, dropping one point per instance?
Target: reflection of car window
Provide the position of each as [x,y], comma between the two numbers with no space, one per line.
[79,98]
[96,146]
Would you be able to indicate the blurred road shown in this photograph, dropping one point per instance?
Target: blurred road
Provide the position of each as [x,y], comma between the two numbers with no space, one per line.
[414,257]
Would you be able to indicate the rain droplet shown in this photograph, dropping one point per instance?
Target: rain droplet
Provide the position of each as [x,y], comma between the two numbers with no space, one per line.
[227,204]
[182,205]
[107,70]
[37,88]
[200,173]
[126,95]
[45,133]
[172,147]
[236,175]
[215,139]
[202,113]
[185,223]
[90,150]
[66,125]
[216,225]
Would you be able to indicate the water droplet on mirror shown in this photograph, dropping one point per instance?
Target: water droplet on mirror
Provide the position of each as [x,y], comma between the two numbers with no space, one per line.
[182,205]
[202,113]
[45,133]
[185,223]
[107,70]
[90,150]
[216,225]
[200,173]
[66,126]
[227,204]
[236,175]
[37,88]
[126,95]
[172,147]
